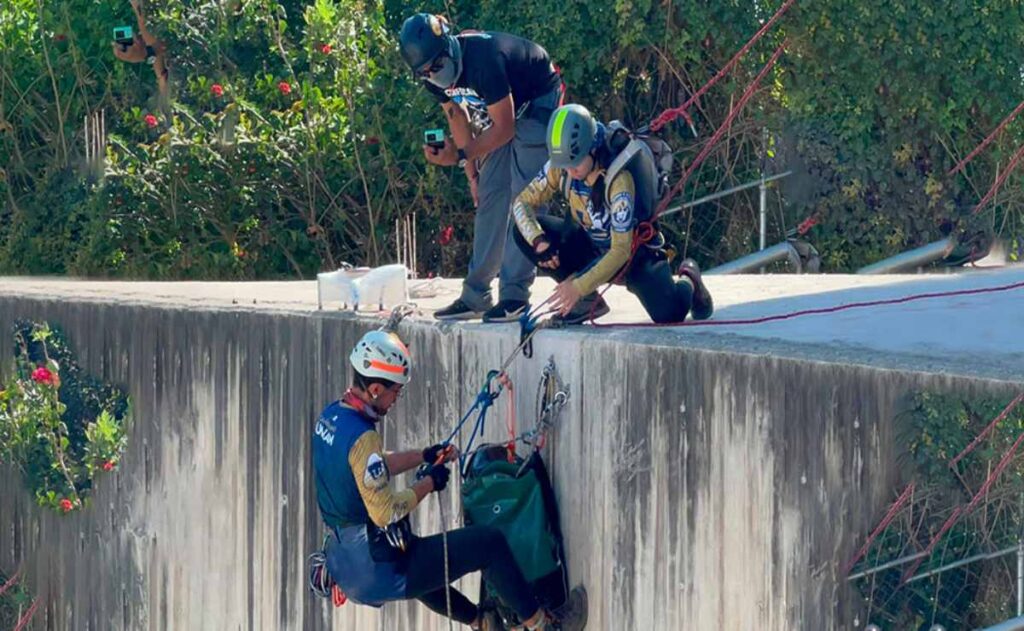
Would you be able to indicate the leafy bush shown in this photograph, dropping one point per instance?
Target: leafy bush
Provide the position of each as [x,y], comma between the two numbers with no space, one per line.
[291,142]
[59,428]
[13,602]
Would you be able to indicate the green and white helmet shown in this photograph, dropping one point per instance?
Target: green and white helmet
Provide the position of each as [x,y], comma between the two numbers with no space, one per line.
[571,134]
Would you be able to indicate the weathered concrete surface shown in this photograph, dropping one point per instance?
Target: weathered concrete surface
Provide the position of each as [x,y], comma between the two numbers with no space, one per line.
[700,489]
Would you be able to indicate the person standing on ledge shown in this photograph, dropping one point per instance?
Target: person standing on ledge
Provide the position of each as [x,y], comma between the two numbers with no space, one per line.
[498,92]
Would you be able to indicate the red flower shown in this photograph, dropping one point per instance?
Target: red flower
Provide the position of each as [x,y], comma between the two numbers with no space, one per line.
[284,87]
[60,37]
[217,90]
[66,505]
[446,235]
[42,375]
[372,140]
[108,465]
[326,49]
[151,120]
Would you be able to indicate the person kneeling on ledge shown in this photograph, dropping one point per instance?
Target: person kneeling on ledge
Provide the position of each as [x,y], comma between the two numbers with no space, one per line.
[593,244]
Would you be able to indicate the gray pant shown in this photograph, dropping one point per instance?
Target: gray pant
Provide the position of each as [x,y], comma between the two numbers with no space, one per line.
[505,172]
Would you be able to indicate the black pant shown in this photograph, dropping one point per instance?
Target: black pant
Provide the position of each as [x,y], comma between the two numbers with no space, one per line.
[649,277]
[469,549]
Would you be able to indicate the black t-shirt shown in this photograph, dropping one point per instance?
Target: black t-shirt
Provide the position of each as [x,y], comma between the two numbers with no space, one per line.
[496,64]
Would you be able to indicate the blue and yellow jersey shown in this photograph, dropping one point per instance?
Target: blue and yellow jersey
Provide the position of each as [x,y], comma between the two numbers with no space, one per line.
[606,210]
[351,475]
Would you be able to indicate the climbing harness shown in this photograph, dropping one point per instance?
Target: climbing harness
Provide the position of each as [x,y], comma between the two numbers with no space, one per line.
[645,230]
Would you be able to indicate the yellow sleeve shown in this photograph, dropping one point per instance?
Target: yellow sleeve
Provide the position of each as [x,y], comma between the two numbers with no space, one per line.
[539,191]
[366,458]
[620,198]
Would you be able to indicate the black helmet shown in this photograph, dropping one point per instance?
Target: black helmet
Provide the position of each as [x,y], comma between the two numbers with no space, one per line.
[423,39]
[572,132]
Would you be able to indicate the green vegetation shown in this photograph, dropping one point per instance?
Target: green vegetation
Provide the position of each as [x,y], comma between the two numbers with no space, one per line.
[935,430]
[59,427]
[292,139]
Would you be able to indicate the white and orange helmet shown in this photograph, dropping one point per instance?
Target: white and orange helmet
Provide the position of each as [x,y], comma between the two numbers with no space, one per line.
[382,355]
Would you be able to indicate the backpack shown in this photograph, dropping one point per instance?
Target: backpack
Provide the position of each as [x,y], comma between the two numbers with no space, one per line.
[649,160]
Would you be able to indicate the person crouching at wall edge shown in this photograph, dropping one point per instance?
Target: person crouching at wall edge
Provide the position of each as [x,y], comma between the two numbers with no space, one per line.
[373,555]
[591,246]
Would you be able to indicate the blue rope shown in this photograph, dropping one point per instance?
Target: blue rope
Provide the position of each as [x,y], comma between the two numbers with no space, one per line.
[484,400]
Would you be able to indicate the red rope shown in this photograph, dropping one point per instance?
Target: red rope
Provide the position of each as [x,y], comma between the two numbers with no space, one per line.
[882,525]
[999,181]
[822,310]
[510,421]
[10,582]
[671,114]
[985,432]
[724,127]
[28,616]
[988,140]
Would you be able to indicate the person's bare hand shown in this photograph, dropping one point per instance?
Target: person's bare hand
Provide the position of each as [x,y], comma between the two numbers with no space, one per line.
[132,54]
[444,157]
[566,296]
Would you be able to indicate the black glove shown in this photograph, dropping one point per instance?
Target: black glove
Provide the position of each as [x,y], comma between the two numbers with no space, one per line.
[546,255]
[432,453]
[439,474]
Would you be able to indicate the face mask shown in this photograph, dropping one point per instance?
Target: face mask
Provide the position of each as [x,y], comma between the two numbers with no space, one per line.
[451,67]
[446,76]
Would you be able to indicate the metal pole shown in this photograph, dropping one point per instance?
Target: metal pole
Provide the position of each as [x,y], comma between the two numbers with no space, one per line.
[742,265]
[1020,568]
[912,259]
[1020,577]
[1010,625]
[963,562]
[726,193]
[763,187]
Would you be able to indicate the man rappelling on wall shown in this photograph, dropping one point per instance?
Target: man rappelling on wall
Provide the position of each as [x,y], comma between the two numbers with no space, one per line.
[372,554]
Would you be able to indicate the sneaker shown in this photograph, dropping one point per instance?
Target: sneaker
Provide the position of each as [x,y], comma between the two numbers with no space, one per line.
[703,305]
[506,311]
[581,312]
[458,310]
[572,616]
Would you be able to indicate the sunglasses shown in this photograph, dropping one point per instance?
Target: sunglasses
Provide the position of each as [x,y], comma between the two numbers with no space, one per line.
[435,66]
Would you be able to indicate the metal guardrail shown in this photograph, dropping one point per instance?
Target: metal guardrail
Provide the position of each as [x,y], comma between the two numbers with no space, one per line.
[1015,624]
[801,255]
[912,259]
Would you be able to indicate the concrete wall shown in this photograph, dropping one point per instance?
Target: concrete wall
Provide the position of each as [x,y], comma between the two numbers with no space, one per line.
[699,490]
